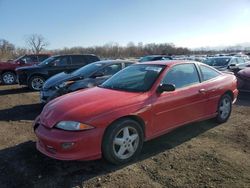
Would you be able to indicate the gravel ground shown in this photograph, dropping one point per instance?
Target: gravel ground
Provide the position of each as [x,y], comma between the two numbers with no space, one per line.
[202,154]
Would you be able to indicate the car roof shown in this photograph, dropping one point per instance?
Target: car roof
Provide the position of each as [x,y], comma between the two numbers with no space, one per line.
[169,62]
[221,57]
[155,56]
[114,61]
[73,55]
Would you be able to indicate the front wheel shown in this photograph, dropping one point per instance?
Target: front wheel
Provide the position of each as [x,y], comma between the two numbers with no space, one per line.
[224,108]
[122,141]
[8,78]
[36,83]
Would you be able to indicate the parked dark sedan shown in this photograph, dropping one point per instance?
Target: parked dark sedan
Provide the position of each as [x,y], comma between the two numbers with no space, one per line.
[243,79]
[224,63]
[35,76]
[85,77]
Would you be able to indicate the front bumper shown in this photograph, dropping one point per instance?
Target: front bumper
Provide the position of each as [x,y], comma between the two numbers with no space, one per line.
[87,144]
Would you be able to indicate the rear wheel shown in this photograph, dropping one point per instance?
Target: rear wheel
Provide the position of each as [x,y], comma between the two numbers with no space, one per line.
[36,83]
[122,141]
[224,108]
[8,78]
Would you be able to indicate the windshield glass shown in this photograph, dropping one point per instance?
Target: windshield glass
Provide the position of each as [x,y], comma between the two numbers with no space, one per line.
[135,78]
[147,58]
[217,61]
[19,58]
[88,69]
[47,61]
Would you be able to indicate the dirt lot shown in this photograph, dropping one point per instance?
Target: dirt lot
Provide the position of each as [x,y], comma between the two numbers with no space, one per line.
[202,154]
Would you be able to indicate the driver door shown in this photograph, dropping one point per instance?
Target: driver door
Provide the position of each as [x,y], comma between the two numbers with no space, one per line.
[60,64]
[185,104]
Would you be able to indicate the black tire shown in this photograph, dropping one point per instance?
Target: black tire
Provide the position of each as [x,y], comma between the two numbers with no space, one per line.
[220,118]
[8,78]
[33,86]
[109,147]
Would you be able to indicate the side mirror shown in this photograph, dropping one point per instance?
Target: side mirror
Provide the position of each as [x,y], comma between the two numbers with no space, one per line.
[97,74]
[232,66]
[165,87]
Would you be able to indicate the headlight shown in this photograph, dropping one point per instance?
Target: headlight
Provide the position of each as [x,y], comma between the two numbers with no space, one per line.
[64,84]
[73,126]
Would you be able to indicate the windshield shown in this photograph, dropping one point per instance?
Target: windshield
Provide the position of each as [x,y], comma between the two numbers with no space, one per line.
[217,61]
[47,61]
[88,69]
[135,78]
[19,58]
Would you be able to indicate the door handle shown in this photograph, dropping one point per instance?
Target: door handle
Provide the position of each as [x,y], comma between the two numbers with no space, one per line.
[202,91]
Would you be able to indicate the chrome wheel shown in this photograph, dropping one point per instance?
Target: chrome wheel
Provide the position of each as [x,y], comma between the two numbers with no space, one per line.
[125,143]
[225,108]
[9,78]
[37,83]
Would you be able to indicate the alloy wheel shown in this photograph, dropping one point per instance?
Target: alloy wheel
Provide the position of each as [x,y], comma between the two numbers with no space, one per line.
[125,142]
[37,83]
[8,78]
[225,108]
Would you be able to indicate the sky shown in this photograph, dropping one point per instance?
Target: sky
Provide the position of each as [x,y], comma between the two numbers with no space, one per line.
[186,23]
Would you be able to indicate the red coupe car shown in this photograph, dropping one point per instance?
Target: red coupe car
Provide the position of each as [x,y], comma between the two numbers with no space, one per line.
[139,103]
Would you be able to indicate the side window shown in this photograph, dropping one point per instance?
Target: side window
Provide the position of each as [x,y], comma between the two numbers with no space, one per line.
[78,60]
[128,64]
[61,61]
[91,58]
[157,58]
[42,57]
[111,69]
[208,73]
[30,59]
[233,61]
[240,60]
[182,75]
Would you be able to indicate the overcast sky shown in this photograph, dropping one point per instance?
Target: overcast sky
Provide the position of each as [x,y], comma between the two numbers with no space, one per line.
[68,23]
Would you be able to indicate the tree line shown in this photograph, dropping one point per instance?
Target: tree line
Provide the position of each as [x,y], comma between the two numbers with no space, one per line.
[36,43]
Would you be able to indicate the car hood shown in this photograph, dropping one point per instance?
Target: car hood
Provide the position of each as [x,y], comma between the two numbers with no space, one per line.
[245,73]
[86,104]
[30,67]
[58,79]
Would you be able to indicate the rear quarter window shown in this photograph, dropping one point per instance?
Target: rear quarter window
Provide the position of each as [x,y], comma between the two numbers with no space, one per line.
[208,73]
[91,58]
[78,60]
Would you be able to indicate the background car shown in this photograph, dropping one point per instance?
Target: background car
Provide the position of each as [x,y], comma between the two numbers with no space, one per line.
[224,63]
[7,69]
[85,77]
[35,76]
[243,77]
[139,103]
[154,58]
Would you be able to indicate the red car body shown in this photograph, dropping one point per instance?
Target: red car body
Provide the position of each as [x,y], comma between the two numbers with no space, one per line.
[99,107]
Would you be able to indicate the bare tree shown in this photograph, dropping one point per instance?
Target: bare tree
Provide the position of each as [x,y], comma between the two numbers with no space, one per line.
[36,43]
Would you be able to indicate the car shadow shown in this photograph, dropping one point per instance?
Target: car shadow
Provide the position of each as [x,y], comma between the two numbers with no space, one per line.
[21,112]
[23,166]
[15,91]
[243,99]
